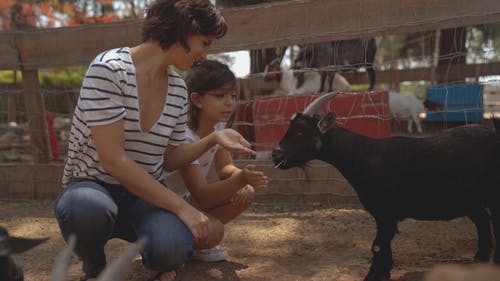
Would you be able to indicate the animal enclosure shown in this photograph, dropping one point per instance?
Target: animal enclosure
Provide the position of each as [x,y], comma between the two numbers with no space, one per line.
[412,54]
[307,224]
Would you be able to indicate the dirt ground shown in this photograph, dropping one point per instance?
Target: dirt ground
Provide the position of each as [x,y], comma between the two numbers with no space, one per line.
[271,242]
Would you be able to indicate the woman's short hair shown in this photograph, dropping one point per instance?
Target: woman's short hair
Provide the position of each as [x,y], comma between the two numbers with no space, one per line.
[171,21]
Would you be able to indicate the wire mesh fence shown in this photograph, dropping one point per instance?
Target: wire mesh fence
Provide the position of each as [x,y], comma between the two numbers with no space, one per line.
[285,79]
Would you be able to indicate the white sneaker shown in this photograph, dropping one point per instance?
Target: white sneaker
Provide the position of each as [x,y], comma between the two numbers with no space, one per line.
[210,255]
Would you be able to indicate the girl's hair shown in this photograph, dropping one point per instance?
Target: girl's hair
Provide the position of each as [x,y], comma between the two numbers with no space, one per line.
[171,21]
[203,77]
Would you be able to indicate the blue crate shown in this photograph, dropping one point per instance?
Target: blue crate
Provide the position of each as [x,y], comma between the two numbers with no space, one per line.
[461,103]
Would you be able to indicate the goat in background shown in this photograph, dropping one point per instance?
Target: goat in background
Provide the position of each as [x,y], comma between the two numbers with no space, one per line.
[311,80]
[312,83]
[442,177]
[336,56]
[410,106]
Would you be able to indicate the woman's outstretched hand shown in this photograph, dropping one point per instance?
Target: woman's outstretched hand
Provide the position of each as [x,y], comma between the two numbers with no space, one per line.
[233,141]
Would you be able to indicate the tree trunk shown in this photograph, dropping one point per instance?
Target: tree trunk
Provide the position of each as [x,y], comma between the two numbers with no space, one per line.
[452,51]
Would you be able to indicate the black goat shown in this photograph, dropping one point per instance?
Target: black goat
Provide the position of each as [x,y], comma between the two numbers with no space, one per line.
[450,175]
[333,56]
[9,270]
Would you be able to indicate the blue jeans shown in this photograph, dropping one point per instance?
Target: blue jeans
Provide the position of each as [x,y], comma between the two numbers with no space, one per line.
[96,212]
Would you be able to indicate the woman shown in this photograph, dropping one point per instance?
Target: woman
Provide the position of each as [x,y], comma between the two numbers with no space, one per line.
[128,126]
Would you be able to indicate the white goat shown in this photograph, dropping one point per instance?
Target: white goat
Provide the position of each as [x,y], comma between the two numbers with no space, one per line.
[406,105]
[312,83]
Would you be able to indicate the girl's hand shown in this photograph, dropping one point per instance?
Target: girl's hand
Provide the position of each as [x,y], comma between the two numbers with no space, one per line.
[233,142]
[254,178]
[196,221]
[243,197]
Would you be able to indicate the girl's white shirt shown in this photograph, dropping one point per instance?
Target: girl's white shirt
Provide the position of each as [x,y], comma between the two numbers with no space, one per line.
[174,180]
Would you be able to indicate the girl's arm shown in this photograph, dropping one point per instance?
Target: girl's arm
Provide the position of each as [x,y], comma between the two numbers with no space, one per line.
[109,141]
[210,195]
[177,157]
[224,164]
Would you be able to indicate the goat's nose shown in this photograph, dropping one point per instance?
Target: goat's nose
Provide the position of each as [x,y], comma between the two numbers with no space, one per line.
[277,153]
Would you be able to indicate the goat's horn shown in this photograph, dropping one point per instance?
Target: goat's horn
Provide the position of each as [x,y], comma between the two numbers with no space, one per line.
[117,269]
[314,106]
[62,261]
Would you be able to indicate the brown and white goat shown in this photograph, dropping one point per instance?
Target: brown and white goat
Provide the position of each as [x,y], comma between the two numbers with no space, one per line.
[331,57]
[449,175]
[300,82]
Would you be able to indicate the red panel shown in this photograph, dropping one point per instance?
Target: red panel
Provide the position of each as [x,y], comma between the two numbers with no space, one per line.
[243,122]
[366,113]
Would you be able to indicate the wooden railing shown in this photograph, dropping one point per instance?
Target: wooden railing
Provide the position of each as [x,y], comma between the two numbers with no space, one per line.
[254,27]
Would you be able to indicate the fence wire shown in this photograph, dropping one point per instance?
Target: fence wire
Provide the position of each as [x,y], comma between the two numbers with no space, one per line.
[267,102]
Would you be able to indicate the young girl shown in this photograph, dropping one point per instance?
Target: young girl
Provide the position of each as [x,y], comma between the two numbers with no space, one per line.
[128,127]
[212,88]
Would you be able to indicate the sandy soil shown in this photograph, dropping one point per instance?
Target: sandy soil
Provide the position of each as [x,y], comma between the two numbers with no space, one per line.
[272,242]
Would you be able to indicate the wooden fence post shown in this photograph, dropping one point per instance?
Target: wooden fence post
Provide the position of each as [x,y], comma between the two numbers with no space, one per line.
[12,103]
[35,108]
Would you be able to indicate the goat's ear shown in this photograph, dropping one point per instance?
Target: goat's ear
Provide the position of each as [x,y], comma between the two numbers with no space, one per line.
[327,122]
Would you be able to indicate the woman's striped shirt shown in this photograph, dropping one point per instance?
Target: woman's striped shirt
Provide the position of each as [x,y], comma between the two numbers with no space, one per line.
[108,94]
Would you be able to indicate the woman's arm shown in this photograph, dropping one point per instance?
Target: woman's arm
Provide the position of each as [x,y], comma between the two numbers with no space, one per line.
[109,141]
[177,157]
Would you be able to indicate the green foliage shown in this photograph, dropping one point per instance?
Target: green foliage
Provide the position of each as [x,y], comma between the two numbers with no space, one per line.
[418,88]
[7,76]
[58,78]
[72,77]
[57,101]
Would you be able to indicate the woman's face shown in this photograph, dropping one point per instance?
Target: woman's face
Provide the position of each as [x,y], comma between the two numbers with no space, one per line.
[198,45]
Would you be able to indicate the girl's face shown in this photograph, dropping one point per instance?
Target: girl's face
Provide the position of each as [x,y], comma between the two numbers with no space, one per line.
[216,105]
[198,45]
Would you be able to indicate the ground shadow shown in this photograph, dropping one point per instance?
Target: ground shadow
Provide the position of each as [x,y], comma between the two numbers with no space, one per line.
[195,271]
[413,276]
[224,270]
